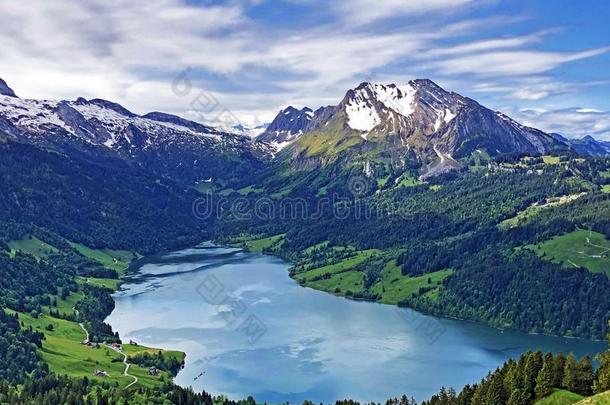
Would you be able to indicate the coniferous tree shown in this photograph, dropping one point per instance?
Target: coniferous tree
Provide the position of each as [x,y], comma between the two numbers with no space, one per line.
[585,376]
[560,362]
[533,365]
[544,381]
[495,393]
[570,374]
[518,397]
[602,377]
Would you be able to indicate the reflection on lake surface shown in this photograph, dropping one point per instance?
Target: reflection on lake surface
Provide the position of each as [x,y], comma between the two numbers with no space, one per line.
[248,329]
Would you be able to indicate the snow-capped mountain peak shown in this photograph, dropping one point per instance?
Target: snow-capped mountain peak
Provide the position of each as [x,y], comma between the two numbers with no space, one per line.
[371,104]
[419,119]
[180,147]
[363,103]
[289,124]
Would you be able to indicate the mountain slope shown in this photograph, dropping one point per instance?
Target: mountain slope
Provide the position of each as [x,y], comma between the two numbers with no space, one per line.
[590,146]
[163,144]
[5,90]
[418,122]
[289,124]
[106,205]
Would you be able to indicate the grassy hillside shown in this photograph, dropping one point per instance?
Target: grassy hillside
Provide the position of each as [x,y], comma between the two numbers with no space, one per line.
[394,287]
[63,352]
[560,397]
[599,399]
[580,248]
[31,245]
[117,260]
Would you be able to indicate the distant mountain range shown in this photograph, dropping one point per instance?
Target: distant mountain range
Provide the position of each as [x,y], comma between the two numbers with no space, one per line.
[164,144]
[418,125]
[418,120]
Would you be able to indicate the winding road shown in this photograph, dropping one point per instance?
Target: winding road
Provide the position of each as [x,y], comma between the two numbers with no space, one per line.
[127,364]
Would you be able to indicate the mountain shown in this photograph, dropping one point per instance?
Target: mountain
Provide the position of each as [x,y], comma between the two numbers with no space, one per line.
[590,146]
[418,122]
[251,131]
[5,90]
[163,144]
[288,125]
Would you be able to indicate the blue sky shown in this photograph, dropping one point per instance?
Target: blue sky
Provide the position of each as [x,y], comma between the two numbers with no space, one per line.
[545,63]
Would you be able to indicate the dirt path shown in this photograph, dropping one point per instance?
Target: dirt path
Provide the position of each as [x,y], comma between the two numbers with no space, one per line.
[127,364]
[84,330]
[605,249]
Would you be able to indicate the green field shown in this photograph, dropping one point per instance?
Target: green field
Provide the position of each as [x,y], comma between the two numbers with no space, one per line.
[340,283]
[551,160]
[113,259]
[250,189]
[606,188]
[533,210]
[341,266]
[32,245]
[580,248]
[255,243]
[599,399]
[63,351]
[560,397]
[258,245]
[394,287]
[408,181]
[524,215]
[144,378]
[110,283]
[344,277]
[204,187]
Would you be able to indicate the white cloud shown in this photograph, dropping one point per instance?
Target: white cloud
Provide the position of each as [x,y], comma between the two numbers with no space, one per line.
[512,63]
[366,11]
[129,51]
[573,122]
[487,45]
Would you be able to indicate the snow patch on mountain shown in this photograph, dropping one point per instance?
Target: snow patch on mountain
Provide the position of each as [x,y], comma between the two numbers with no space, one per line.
[361,115]
[32,114]
[397,98]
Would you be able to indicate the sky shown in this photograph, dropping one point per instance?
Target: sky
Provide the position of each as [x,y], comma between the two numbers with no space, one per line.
[545,63]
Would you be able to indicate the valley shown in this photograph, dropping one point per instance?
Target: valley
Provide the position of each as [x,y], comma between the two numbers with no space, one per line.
[400,212]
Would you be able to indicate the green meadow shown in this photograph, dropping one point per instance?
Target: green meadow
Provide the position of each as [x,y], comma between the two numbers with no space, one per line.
[580,248]
[560,397]
[32,245]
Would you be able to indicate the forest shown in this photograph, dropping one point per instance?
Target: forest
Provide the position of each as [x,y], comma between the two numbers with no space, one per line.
[449,234]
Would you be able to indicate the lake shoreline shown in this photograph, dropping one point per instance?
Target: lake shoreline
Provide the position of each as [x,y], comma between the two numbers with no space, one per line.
[421,311]
[480,338]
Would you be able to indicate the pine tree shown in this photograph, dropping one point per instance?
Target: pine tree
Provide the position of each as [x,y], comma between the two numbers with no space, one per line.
[602,378]
[495,393]
[570,373]
[533,365]
[544,381]
[584,376]
[518,397]
[560,362]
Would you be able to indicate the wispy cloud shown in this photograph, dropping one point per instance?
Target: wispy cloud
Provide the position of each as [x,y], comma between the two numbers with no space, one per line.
[129,51]
[570,122]
[360,12]
[512,63]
